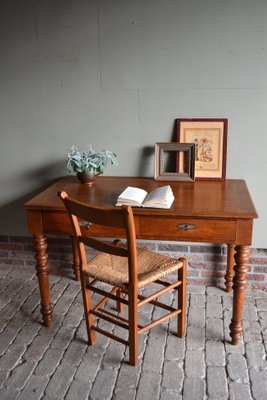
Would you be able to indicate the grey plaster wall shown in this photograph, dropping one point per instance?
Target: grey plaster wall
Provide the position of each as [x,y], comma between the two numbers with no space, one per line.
[116,74]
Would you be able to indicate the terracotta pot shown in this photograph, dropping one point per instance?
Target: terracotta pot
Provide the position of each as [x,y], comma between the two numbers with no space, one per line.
[88,179]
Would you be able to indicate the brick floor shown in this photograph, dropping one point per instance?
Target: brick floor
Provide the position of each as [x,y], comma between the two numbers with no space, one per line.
[56,363]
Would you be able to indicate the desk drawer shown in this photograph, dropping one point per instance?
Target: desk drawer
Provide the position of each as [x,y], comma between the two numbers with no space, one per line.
[58,222]
[187,229]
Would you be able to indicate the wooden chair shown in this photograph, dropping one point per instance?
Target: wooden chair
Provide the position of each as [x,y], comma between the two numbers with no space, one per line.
[126,268]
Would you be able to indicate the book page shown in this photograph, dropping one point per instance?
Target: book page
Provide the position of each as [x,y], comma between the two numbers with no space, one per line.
[160,195]
[132,196]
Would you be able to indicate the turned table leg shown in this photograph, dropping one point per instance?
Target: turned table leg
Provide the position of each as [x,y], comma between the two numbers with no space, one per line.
[42,274]
[230,267]
[76,259]
[239,287]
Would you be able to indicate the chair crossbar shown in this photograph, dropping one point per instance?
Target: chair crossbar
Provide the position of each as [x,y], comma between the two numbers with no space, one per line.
[104,300]
[157,303]
[107,294]
[114,315]
[110,335]
[154,302]
[159,321]
[118,317]
[158,293]
[163,283]
[109,319]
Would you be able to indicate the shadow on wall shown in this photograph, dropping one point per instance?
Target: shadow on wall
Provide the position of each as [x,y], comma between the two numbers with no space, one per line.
[148,152]
[12,216]
[145,161]
[45,173]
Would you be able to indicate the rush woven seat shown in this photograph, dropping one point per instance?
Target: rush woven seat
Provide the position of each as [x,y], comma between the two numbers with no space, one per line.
[114,269]
[126,268]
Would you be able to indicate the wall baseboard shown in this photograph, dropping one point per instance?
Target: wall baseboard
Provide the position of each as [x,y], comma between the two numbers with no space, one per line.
[206,262]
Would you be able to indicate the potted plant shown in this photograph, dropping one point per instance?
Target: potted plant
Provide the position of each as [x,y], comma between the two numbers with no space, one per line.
[89,163]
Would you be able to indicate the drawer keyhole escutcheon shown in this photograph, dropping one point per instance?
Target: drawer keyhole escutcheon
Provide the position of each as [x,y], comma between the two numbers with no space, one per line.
[186,227]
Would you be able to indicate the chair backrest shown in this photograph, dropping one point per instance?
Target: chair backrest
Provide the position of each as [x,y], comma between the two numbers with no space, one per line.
[119,217]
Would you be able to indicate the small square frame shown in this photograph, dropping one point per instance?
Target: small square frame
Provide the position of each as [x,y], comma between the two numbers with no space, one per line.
[188,174]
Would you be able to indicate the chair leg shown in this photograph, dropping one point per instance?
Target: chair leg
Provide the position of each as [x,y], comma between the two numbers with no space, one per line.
[133,326]
[87,303]
[182,299]
[120,306]
[76,259]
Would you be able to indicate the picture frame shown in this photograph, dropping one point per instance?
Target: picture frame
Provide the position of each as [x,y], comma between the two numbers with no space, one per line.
[185,150]
[210,138]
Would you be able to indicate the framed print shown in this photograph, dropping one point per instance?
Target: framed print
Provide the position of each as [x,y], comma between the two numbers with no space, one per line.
[210,139]
[165,168]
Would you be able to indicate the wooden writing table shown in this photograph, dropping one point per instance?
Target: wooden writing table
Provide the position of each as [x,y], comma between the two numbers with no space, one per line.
[213,212]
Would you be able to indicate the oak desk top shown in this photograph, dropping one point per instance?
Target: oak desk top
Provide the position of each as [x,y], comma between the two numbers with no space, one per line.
[214,212]
[229,199]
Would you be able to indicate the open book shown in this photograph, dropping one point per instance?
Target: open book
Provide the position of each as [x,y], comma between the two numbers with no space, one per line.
[161,197]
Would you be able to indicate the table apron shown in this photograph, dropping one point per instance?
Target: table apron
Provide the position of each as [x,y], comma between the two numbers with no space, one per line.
[236,231]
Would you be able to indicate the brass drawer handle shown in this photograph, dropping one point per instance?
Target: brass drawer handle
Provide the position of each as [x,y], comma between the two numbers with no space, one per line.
[186,227]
